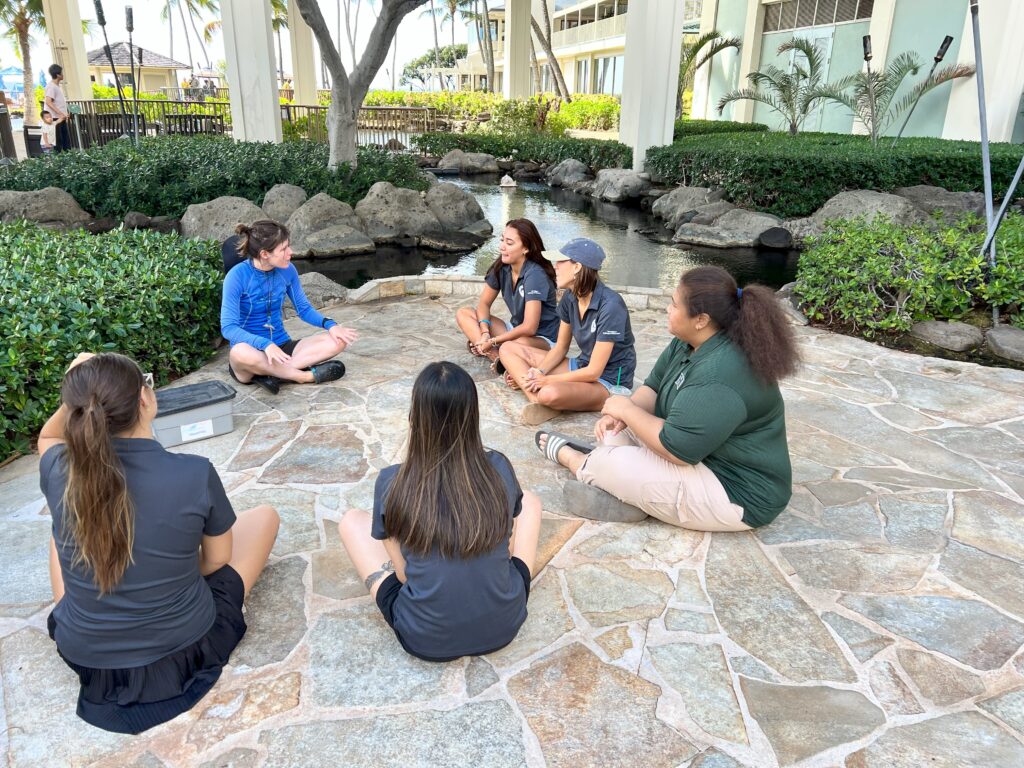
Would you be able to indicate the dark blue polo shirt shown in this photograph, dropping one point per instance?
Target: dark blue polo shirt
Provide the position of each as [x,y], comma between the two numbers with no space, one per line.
[606,319]
[533,285]
[458,607]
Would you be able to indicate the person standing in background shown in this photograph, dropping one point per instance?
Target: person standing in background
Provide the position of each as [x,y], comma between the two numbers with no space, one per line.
[56,103]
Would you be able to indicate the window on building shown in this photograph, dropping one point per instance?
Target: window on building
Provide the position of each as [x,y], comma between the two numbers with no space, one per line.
[797,14]
[608,75]
[583,76]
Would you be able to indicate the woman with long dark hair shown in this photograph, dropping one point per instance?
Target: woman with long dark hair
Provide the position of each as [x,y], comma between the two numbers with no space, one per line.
[148,563]
[702,444]
[596,318]
[262,352]
[449,548]
[526,281]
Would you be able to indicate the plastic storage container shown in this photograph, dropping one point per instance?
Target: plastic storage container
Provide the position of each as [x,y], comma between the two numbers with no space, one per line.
[193,412]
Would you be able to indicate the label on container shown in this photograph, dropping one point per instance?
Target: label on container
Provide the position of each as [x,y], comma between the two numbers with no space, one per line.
[196,430]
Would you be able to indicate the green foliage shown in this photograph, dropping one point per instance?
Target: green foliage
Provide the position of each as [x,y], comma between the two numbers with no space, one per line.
[153,297]
[458,105]
[588,112]
[538,148]
[418,70]
[694,55]
[166,175]
[796,175]
[878,277]
[686,127]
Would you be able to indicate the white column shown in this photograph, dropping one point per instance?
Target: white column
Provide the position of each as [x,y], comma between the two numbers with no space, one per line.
[303,69]
[67,46]
[248,48]
[516,77]
[702,78]
[648,110]
[750,59]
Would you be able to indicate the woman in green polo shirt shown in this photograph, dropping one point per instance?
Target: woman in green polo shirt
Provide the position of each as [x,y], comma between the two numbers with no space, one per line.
[702,444]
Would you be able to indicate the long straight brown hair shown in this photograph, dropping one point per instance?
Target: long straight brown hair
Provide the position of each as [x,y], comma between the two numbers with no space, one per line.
[532,242]
[446,495]
[102,399]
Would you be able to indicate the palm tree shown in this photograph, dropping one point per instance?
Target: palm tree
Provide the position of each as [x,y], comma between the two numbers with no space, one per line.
[544,35]
[21,16]
[695,55]
[195,9]
[432,13]
[793,94]
[873,96]
[278,21]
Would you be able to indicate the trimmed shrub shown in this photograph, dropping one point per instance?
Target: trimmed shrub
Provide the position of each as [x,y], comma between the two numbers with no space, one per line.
[686,127]
[153,297]
[459,105]
[795,175]
[877,277]
[536,147]
[166,175]
[588,112]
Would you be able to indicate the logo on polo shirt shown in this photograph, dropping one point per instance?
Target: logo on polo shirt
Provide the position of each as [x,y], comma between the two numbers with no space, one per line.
[522,291]
[680,379]
[593,325]
[610,333]
[532,293]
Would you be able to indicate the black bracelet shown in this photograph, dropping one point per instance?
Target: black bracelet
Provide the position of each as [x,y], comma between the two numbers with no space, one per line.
[325,321]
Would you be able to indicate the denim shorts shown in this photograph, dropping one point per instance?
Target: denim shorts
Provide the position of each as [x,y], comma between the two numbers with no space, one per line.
[613,389]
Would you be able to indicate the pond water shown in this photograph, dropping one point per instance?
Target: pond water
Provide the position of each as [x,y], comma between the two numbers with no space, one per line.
[633,240]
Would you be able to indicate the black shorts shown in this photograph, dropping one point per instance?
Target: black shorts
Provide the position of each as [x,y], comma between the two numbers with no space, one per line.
[388,593]
[289,346]
[134,699]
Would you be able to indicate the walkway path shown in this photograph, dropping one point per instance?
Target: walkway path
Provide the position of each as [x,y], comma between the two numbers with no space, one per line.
[878,622]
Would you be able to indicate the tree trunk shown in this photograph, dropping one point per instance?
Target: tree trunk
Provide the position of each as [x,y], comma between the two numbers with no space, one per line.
[202,46]
[556,70]
[188,41]
[170,24]
[31,107]
[488,47]
[437,46]
[534,66]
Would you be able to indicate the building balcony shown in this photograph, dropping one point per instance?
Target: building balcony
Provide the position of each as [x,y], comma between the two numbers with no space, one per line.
[604,29]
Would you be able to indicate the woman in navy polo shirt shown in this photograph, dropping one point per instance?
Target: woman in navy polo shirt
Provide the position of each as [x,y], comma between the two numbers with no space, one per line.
[526,282]
[595,317]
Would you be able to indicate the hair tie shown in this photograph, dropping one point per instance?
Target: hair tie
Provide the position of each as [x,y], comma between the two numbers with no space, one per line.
[739,294]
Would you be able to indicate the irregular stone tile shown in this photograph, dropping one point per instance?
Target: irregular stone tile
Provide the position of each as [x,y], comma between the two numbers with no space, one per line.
[807,471]
[547,620]
[857,569]
[335,576]
[489,734]
[651,537]
[275,614]
[903,416]
[938,680]
[479,676]
[24,578]
[355,660]
[699,674]
[912,524]
[862,641]
[751,667]
[714,759]
[145,760]
[937,623]
[584,712]
[689,589]
[801,721]
[951,741]
[226,712]
[235,758]
[21,494]
[615,642]
[854,522]
[994,578]
[1008,707]
[833,451]
[989,446]
[891,692]
[554,533]
[299,531]
[690,621]
[970,403]
[262,442]
[1014,481]
[834,493]
[759,610]
[320,456]
[990,522]
[893,476]
[40,693]
[614,593]
[220,448]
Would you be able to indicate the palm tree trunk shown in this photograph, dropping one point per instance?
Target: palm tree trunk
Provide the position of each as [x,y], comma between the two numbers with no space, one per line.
[488,47]
[545,43]
[437,46]
[170,24]
[202,46]
[280,58]
[534,66]
[31,107]
[188,41]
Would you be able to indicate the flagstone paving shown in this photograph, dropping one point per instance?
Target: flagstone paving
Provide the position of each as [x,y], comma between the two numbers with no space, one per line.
[878,622]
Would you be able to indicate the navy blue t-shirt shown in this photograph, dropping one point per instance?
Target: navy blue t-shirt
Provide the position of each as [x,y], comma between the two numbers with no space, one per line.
[606,319]
[454,607]
[533,285]
[162,604]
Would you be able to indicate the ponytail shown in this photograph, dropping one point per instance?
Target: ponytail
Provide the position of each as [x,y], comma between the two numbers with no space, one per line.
[102,399]
[262,235]
[750,316]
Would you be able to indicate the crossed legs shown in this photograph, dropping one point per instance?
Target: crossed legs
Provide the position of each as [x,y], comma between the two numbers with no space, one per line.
[247,361]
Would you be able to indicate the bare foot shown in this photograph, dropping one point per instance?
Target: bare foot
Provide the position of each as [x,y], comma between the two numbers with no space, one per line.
[568,457]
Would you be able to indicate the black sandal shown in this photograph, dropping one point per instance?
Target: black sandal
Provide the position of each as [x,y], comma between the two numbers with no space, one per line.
[556,442]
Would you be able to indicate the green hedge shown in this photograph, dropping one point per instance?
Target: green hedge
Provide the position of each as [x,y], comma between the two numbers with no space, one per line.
[540,149]
[153,297]
[879,277]
[166,175]
[795,175]
[687,127]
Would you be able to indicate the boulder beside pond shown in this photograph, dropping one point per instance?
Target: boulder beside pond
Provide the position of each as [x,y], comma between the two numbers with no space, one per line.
[952,335]
[454,207]
[857,203]
[389,213]
[324,226]
[738,228]
[568,172]
[49,207]
[282,200]
[680,205]
[217,219]
[617,185]
[468,162]
[1006,342]
[952,205]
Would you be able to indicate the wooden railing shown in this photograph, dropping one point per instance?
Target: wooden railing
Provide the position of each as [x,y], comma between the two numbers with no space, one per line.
[379,126]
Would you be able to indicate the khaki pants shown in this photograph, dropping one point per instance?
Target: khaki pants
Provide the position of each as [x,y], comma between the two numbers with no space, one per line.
[686,495]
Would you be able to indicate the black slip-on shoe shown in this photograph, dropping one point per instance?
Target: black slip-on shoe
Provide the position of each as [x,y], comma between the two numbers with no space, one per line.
[331,370]
[270,383]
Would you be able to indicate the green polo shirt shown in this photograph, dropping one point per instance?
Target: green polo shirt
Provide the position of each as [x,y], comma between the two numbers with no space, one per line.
[717,411]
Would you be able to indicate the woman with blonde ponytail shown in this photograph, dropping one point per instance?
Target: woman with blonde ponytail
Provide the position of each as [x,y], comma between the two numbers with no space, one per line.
[148,562]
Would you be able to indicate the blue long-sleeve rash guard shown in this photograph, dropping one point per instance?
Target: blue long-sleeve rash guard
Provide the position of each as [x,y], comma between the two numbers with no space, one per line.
[253,299]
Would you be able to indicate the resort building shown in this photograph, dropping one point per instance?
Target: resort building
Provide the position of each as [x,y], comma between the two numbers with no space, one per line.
[157,72]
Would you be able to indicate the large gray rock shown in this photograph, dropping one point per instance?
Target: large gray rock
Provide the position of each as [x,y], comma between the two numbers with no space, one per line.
[681,201]
[854,204]
[567,173]
[318,213]
[468,162]
[952,205]
[1007,342]
[738,228]
[454,207]
[282,200]
[958,337]
[50,207]
[217,219]
[337,240]
[388,213]
[618,184]
[708,214]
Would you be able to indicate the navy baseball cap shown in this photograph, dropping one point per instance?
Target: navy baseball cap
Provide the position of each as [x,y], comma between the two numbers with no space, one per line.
[581,250]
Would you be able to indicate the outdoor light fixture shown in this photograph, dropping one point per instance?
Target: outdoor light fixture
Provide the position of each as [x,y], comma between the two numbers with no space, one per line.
[867,45]
[871,85]
[939,56]
[101,19]
[129,24]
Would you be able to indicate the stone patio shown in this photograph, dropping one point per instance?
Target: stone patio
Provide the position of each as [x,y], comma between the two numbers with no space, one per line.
[878,622]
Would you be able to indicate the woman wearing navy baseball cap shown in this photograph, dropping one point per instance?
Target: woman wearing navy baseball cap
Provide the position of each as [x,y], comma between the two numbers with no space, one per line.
[595,317]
